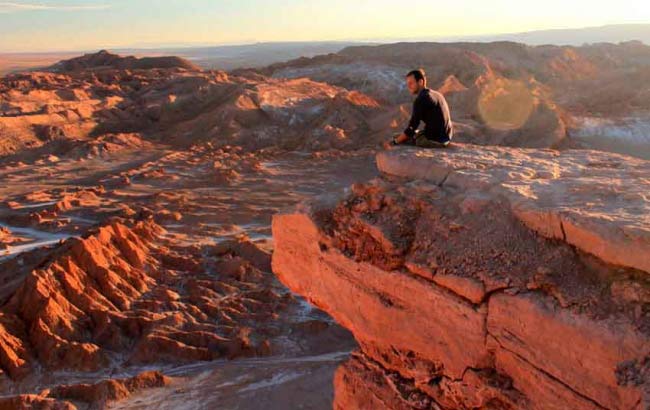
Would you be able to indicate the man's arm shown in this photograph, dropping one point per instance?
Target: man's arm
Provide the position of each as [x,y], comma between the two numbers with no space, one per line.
[414,123]
[400,139]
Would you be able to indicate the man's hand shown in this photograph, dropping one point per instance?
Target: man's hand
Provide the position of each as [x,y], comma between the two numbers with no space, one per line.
[389,145]
[398,140]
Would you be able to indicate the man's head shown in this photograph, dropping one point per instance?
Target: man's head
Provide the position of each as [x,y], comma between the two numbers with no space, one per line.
[416,81]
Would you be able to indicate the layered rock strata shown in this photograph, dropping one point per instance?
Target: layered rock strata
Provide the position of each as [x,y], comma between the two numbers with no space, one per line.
[484,278]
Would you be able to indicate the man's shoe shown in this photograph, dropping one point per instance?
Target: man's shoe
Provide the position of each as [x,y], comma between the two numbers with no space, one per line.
[440,145]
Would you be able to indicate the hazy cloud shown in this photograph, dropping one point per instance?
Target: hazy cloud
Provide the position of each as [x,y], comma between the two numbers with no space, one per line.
[14,7]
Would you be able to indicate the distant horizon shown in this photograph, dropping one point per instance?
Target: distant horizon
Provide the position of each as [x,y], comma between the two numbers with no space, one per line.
[78,25]
[481,38]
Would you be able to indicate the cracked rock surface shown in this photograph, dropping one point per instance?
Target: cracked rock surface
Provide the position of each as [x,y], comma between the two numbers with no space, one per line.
[484,278]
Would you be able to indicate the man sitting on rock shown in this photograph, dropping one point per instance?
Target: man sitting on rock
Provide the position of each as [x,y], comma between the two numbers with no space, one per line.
[431,108]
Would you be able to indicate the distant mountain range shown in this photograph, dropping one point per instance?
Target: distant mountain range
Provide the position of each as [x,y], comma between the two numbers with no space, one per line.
[228,57]
[224,57]
[575,37]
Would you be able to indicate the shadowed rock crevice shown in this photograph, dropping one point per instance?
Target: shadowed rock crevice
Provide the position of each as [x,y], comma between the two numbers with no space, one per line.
[551,377]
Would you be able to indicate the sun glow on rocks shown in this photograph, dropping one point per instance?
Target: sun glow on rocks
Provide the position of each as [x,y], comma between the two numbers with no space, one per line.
[506,104]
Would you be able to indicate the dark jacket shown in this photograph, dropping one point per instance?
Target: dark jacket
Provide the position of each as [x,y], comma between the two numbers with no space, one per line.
[431,108]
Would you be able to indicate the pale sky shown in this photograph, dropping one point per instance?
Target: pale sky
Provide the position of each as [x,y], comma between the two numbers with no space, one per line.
[57,25]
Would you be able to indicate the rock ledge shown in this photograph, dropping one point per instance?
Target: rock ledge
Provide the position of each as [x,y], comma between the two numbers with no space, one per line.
[477,278]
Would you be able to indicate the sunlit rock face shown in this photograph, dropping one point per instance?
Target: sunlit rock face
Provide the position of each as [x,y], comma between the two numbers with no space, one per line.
[116,295]
[477,278]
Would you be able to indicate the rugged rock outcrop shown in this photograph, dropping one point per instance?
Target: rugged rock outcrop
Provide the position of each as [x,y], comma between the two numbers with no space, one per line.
[85,396]
[124,295]
[484,278]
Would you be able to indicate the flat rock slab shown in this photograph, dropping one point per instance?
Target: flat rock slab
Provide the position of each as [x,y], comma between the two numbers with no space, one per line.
[598,202]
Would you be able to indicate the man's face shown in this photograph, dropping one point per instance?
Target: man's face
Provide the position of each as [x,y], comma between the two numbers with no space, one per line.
[414,86]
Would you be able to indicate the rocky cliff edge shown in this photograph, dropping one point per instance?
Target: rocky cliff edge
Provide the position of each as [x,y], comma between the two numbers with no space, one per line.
[484,278]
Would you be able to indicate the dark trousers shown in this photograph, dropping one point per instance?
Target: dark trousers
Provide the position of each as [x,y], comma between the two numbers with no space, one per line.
[420,140]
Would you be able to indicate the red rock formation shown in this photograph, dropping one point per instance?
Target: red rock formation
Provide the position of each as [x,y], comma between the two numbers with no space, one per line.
[8,239]
[73,397]
[460,299]
[551,192]
[106,391]
[102,104]
[34,402]
[121,293]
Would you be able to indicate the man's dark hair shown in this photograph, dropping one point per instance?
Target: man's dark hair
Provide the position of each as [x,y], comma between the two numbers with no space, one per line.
[418,74]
